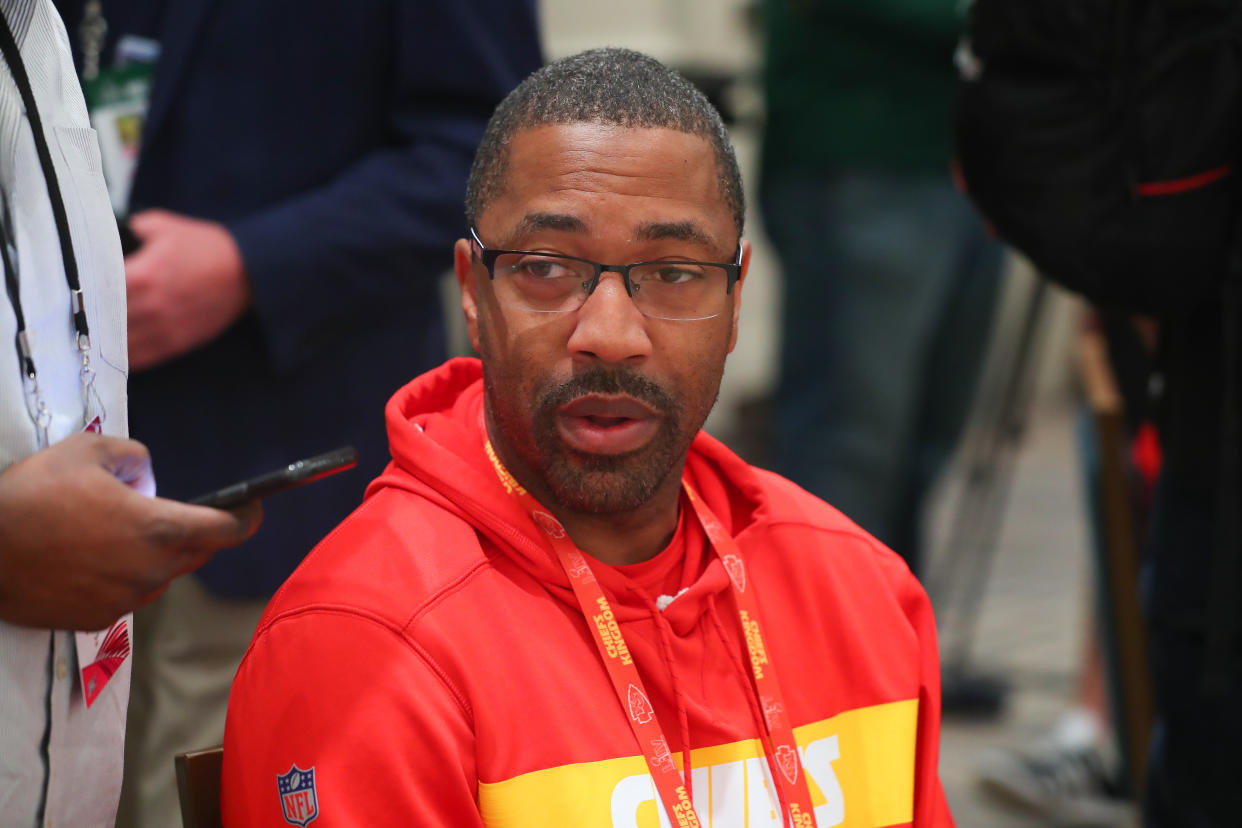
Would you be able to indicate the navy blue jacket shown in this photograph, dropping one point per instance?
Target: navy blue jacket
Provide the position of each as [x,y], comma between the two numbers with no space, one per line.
[333,138]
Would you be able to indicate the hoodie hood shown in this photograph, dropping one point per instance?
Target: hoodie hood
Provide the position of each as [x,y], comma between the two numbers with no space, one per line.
[437,436]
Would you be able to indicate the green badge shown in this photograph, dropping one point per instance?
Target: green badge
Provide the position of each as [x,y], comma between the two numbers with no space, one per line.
[117,99]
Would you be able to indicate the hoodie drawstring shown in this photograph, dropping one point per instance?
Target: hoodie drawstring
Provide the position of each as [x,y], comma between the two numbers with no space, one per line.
[755,711]
[683,715]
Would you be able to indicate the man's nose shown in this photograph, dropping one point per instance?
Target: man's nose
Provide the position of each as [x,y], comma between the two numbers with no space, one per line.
[610,328]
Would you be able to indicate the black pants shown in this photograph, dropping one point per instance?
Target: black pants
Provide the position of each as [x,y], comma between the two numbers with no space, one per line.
[1194,775]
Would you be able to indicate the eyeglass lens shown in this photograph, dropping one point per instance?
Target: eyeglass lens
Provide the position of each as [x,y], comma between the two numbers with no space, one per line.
[665,290]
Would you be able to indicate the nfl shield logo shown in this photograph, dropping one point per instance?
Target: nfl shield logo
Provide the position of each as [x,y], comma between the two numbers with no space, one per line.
[297,795]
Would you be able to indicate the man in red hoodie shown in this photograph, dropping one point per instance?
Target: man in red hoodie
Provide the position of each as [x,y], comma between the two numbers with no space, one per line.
[563,604]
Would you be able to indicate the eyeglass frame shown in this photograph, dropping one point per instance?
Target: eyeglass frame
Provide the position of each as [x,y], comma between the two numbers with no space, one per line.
[489,256]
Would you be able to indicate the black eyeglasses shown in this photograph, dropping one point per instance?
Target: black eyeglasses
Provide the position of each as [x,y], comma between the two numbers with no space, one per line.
[682,291]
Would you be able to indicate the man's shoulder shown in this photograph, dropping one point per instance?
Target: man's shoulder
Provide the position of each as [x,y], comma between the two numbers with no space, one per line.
[388,560]
[716,466]
[787,502]
[785,508]
[822,526]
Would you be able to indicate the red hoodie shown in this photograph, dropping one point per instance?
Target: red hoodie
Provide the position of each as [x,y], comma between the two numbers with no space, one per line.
[428,664]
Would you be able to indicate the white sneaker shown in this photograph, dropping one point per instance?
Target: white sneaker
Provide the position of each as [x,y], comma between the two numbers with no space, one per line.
[1065,779]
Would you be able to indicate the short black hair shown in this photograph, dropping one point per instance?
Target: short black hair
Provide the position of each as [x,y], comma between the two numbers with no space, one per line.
[603,86]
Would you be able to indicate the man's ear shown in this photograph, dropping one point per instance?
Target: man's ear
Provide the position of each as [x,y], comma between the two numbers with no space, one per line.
[463,267]
[737,294]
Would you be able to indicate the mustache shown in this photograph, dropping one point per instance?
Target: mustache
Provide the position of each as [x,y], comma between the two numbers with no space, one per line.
[604,381]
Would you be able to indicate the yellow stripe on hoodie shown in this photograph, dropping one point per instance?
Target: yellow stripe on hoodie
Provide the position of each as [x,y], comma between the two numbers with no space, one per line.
[860,763]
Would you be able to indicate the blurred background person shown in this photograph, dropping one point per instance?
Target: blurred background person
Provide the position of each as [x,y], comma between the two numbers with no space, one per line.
[1118,179]
[292,175]
[890,280]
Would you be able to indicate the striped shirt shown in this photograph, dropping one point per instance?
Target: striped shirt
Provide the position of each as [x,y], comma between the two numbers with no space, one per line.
[60,763]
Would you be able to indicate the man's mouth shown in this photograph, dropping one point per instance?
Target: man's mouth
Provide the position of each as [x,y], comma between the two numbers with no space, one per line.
[607,423]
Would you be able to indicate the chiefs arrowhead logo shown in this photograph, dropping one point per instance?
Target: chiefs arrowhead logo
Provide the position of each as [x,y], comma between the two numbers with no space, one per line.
[787,760]
[737,571]
[550,525]
[640,707]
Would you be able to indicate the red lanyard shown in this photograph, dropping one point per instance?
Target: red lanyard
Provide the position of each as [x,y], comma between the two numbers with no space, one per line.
[779,738]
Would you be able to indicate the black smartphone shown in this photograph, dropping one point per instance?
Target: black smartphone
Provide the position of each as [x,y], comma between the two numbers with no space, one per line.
[129,239]
[281,480]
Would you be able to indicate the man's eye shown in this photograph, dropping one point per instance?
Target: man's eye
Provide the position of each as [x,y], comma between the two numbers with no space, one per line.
[676,274]
[543,269]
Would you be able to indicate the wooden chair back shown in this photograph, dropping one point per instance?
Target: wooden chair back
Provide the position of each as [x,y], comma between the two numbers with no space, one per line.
[198,787]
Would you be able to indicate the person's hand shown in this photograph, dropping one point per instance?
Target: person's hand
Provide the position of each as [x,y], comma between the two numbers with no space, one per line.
[185,286]
[80,545]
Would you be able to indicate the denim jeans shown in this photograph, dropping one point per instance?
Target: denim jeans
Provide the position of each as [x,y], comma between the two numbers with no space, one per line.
[890,289]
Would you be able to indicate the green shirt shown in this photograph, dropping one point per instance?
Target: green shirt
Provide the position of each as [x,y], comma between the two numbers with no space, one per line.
[859,82]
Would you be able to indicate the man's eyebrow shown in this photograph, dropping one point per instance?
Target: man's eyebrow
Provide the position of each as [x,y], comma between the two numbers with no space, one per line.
[675,230]
[533,222]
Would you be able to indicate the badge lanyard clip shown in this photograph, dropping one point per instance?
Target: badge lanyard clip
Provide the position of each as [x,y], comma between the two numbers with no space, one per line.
[36,406]
[93,412]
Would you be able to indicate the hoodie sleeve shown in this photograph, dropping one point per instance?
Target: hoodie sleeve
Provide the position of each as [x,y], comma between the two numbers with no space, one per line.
[335,717]
[931,809]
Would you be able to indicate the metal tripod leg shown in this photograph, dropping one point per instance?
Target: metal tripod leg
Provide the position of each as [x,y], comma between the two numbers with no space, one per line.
[959,580]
